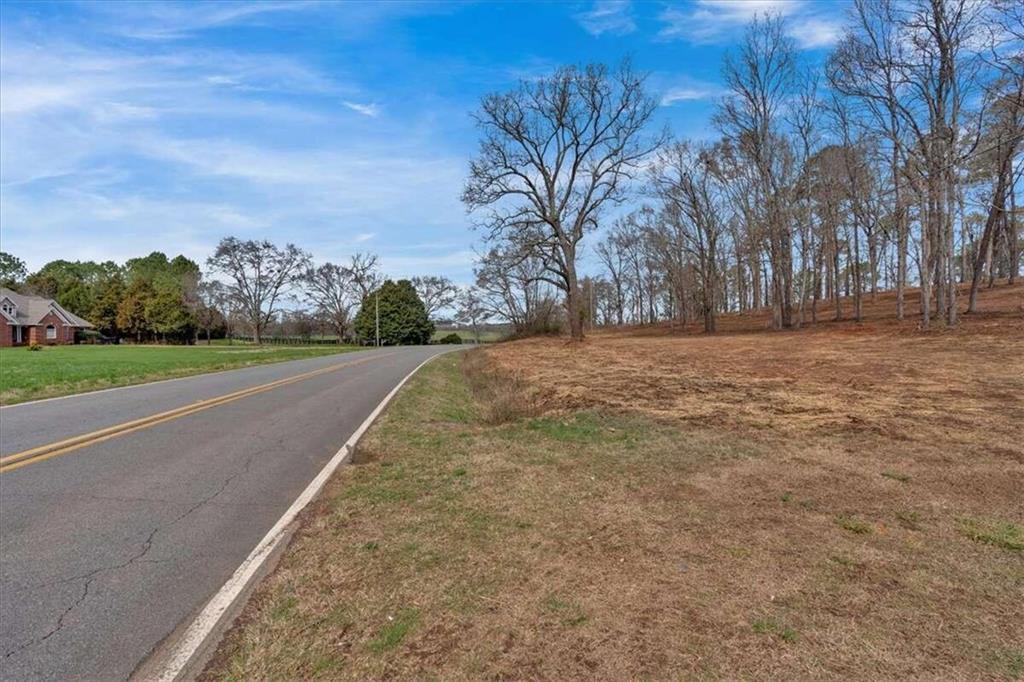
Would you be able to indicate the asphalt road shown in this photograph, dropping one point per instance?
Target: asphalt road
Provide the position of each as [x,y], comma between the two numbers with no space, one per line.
[106,549]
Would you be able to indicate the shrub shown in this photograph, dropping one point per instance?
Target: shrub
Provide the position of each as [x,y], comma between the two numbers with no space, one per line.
[88,336]
[450,338]
[35,346]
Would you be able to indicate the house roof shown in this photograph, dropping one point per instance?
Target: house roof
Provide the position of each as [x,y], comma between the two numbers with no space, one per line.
[30,310]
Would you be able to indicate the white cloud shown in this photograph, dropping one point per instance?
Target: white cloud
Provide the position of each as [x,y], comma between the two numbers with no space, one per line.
[371,110]
[608,16]
[687,89]
[174,149]
[811,24]
[174,20]
[814,32]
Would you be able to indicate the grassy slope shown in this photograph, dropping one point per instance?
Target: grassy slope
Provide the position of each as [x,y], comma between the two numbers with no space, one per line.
[597,544]
[60,370]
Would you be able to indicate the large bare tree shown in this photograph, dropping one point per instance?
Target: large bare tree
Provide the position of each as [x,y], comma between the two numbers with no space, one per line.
[436,292]
[260,275]
[332,289]
[364,270]
[762,80]
[687,180]
[553,153]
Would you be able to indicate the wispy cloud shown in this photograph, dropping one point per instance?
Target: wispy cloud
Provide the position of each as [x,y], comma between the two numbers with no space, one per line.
[614,17]
[401,265]
[194,144]
[813,32]
[371,110]
[686,89]
[810,24]
[174,20]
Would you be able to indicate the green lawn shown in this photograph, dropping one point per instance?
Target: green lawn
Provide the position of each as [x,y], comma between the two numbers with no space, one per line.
[60,370]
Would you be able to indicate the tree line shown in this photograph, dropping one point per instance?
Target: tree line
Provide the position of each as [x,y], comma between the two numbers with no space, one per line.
[251,288]
[892,165]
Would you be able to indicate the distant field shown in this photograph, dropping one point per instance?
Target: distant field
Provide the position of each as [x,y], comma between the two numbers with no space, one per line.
[836,503]
[60,370]
[486,336]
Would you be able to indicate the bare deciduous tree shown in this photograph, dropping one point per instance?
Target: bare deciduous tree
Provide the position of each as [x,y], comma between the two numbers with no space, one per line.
[762,81]
[333,290]
[554,152]
[437,293]
[365,273]
[260,273]
[686,180]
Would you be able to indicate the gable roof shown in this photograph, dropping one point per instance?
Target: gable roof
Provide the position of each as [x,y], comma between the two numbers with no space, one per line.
[30,310]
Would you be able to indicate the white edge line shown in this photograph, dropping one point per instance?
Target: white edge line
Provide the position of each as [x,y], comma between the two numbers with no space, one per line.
[167,381]
[205,623]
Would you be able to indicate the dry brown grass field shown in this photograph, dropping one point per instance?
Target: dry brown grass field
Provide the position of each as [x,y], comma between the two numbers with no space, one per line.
[845,501]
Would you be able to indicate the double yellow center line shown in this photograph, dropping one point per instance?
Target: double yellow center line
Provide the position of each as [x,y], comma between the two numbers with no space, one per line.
[63,447]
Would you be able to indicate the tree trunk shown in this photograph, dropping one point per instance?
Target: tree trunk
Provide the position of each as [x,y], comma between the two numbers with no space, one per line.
[924,269]
[985,245]
[835,278]
[858,284]
[950,274]
[573,301]
[901,260]
[755,281]
[1011,238]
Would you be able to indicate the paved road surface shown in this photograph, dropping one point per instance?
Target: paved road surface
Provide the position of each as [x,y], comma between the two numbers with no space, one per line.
[104,550]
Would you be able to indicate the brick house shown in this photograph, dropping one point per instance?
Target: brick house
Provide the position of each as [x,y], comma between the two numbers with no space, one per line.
[33,319]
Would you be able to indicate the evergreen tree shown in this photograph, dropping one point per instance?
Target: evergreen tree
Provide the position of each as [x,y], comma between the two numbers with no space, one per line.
[403,317]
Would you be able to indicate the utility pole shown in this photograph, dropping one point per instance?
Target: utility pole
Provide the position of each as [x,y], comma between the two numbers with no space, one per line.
[376,298]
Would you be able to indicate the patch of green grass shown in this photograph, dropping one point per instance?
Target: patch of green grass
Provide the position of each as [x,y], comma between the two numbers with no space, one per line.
[853,525]
[843,561]
[284,607]
[771,626]
[397,628]
[583,428]
[896,476]
[911,520]
[1015,663]
[325,664]
[993,532]
[569,612]
[786,496]
[61,370]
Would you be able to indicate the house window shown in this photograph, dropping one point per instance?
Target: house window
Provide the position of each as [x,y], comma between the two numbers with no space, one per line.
[8,308]
[51,332]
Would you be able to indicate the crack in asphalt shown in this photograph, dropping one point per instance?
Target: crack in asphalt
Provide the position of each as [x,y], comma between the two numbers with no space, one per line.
[90,576]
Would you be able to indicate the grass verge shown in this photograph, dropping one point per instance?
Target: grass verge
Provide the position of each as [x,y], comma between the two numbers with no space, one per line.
[481,538]
[62,370]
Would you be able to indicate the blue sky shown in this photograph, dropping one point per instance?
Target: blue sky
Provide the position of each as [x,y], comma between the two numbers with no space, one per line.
[127,128]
